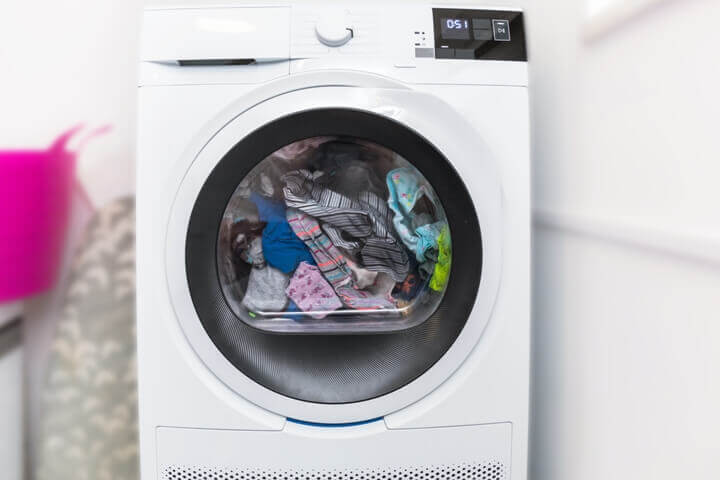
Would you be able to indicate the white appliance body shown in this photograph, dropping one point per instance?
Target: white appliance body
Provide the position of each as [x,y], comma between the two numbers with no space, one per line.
[210,77]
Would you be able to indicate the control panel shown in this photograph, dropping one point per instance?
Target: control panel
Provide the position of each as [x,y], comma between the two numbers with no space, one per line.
[477,35]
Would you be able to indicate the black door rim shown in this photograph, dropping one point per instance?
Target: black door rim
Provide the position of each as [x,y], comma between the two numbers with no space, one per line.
[332,369]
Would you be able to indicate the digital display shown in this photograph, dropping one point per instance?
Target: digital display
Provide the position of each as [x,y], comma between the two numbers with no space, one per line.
[455,28]
[475,34]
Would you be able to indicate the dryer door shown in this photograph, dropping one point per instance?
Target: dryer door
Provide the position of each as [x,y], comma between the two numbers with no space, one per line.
[335,231]
[332,250]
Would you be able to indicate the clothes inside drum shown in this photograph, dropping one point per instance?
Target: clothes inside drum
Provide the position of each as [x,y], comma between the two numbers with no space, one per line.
[334,235]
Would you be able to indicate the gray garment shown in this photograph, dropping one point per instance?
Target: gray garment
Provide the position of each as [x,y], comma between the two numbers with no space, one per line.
[264,179]
[266,285]
[349,168]
[266,290]
[383,285]
[362,277]
[89,417]
[239,209]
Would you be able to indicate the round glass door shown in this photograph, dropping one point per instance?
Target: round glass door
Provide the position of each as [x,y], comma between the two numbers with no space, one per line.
[333,256]
[334,234]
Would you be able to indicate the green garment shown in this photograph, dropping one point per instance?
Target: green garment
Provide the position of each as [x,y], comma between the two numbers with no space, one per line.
[441,273]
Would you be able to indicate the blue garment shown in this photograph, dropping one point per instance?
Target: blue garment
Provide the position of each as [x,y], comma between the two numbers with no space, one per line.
[281,247]
[293,311]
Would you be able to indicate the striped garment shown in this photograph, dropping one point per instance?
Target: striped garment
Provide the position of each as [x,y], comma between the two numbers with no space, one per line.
[328,258]
[365,218]
[332,264]
[338,239]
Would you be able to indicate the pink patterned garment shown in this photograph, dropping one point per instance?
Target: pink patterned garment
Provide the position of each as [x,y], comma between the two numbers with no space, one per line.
[311,292]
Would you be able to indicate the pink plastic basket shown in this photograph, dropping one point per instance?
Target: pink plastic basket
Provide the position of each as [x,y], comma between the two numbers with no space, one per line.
[35,195]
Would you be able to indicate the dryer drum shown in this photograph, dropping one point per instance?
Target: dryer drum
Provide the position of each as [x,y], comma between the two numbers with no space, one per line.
[333,255]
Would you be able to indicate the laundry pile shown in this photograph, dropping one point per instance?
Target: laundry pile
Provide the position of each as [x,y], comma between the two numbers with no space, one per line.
[319,231]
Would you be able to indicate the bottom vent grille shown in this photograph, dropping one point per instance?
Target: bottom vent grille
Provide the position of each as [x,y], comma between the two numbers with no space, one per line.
[463,471]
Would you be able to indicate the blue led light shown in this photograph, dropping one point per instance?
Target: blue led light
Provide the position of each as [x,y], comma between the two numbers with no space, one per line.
[333,425]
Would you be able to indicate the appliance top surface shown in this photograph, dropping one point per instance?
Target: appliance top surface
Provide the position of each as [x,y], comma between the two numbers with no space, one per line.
[203,43]
[180,4]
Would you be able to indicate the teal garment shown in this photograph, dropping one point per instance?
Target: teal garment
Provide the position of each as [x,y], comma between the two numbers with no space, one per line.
[427,240]
[407,187]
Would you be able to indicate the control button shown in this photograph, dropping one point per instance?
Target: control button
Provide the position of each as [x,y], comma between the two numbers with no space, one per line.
[444,53]
[333,30]
[501,30]
[465,53]
[482,23]
[424,52]
[484,34]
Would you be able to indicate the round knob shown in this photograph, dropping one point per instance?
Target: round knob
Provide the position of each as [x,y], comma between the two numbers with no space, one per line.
[333,32]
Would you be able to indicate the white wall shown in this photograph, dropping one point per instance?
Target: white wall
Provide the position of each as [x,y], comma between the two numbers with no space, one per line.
[627,243]
[627,238]
[70,62]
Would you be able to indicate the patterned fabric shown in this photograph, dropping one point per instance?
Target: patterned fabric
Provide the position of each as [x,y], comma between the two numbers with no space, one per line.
[364,217]
[89,423]
[407,187]
[328,258]
[409,289]
[311,292]
[337,239]
[385,255]
[332,264]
